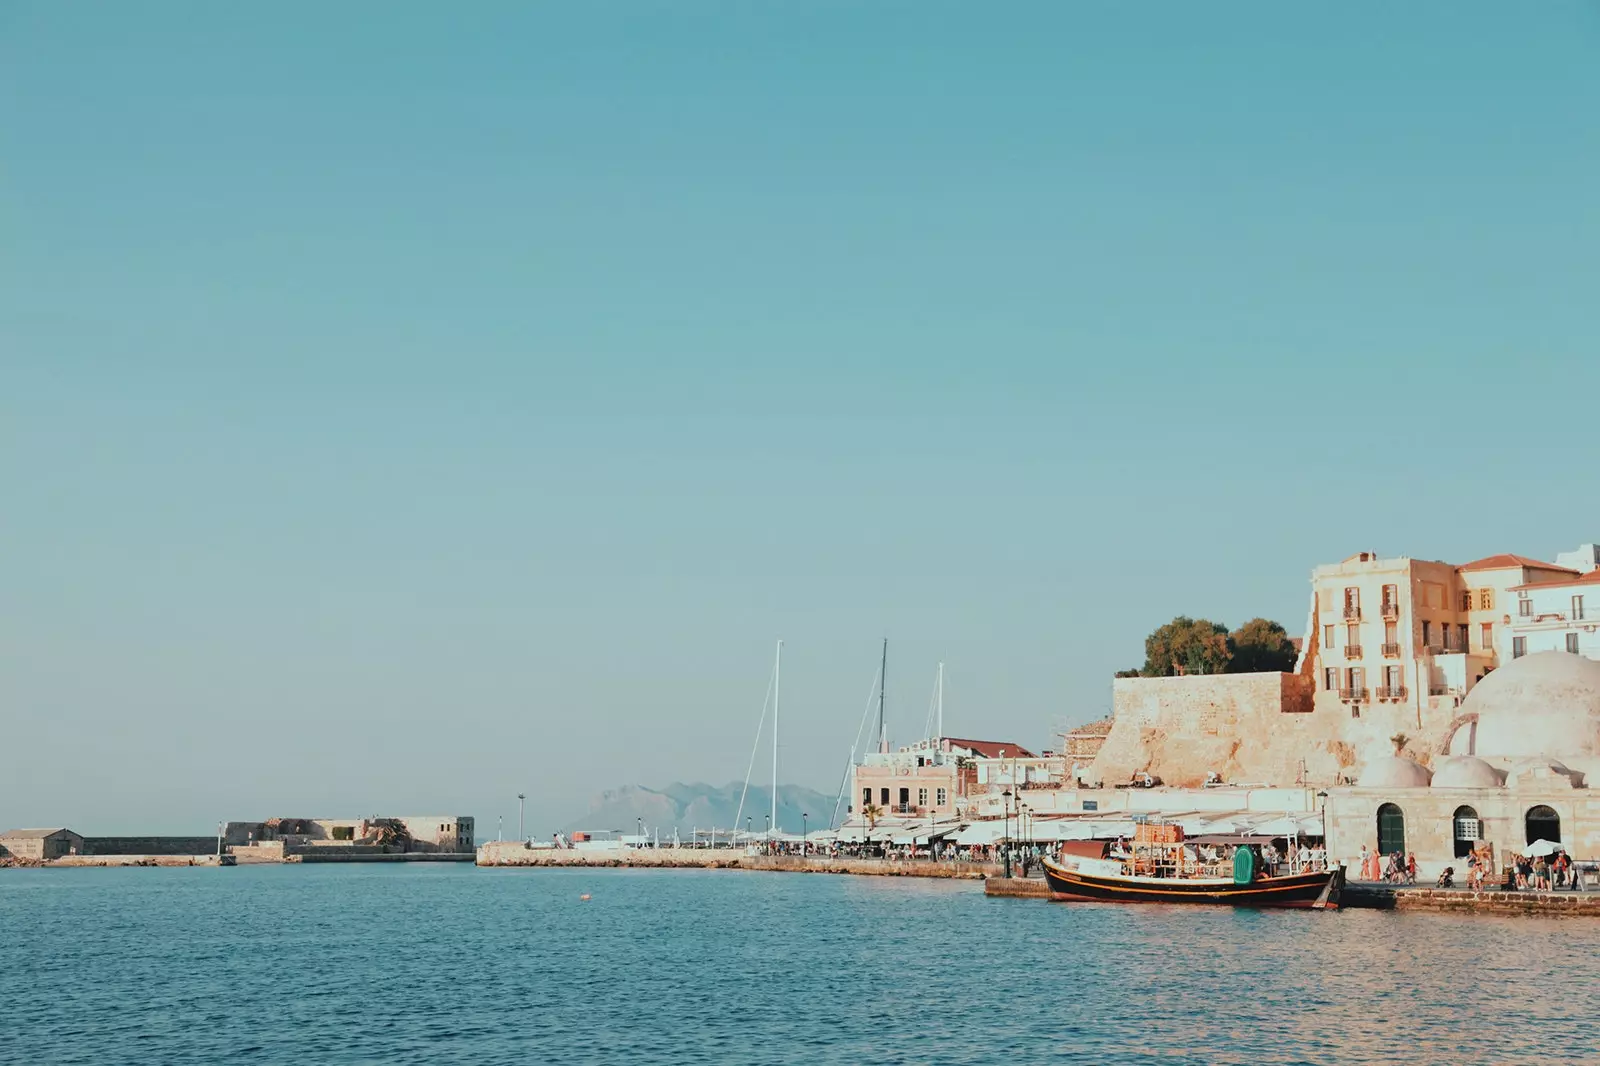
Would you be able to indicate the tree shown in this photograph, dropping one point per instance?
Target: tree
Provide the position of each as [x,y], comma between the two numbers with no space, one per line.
[1261,646]
[1187,646]
[871,812]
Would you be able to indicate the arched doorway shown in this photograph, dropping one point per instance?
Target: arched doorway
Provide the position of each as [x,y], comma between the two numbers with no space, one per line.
[1391,829]
[1542,823]
[1466,829]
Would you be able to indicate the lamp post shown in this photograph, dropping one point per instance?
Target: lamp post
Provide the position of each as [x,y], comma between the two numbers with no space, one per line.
[768,817]
[520,834]
[1007,796]
[219,843]
[805,827]
[640,821]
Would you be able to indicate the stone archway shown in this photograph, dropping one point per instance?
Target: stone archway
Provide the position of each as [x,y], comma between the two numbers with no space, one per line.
[1542,823]
[1454,727]
[1465,829]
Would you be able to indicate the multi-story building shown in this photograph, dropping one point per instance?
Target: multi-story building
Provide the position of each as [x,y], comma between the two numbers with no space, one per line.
[1561,615]
[931,777]
[1411,632]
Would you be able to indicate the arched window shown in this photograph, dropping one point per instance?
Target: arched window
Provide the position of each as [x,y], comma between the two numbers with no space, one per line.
[1543,823]
[1466,830]
[1391,829]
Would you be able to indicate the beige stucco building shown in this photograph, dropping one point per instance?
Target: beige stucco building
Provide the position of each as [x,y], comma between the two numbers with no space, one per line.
[40,844]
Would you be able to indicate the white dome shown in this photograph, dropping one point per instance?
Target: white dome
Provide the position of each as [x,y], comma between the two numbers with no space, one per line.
[1546,704]
[1539,773]
[1465,771]
[1393,771]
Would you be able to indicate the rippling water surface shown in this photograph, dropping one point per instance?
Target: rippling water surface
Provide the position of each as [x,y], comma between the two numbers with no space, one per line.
[446,964]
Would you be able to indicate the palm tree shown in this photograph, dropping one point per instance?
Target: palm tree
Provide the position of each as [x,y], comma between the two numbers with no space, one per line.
[871,812]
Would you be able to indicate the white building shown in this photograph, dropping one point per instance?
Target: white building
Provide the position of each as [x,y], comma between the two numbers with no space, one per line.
[1557,616]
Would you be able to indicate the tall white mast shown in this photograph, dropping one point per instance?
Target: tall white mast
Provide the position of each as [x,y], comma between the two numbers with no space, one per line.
[938,729]
[777,682]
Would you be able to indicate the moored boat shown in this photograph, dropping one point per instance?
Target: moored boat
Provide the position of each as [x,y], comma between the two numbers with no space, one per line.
[1170,871]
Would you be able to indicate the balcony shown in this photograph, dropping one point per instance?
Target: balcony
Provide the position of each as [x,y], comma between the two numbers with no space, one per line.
[1352,651]
[1391,651]
[1353,695]
[1438,690]
[1391,692]
[1391,612]
[1352,612]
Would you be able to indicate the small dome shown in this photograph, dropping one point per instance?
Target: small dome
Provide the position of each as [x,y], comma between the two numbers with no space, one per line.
[1547,703]
[1539,773]
[1466,771]
[1393,771]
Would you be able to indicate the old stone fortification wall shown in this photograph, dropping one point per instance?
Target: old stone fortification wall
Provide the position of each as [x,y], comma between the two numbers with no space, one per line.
[142,860]
[150,845]
[1246,727]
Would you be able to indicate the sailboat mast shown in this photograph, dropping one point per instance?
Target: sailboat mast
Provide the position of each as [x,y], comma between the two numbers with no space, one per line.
[777,683]
[883,684]
[938,729]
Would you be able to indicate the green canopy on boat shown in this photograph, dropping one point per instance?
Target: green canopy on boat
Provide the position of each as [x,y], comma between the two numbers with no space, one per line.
[1244,866]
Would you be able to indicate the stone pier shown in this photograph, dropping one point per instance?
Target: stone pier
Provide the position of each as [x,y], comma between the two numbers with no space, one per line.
[514,853]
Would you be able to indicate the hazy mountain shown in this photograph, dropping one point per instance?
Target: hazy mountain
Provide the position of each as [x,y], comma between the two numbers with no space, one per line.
[691,806]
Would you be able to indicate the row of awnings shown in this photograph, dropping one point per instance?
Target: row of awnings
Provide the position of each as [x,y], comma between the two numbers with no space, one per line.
[1046,830]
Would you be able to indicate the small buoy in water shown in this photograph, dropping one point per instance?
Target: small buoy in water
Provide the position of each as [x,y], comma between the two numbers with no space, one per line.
[584,898]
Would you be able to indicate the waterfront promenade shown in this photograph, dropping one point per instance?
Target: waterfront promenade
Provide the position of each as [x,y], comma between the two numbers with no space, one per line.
[514,853]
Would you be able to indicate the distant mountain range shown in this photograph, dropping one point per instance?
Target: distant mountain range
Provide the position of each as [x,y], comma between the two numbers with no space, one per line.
[690,806]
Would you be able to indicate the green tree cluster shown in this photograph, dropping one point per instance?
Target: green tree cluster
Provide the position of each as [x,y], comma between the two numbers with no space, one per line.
[1199,646]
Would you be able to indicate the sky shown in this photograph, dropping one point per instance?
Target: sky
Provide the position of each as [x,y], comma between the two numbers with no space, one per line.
[404,406]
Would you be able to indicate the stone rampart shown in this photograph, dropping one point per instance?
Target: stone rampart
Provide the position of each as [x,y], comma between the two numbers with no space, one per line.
[1246,727]
[150,845]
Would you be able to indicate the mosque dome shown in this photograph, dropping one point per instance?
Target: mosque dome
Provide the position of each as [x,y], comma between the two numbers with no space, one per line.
[1465,771]
[1394,771]
[1545,704]
[1539,773]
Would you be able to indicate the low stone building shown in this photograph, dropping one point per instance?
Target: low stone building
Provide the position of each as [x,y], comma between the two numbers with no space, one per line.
[42,844]
[414,833]
[1520,762]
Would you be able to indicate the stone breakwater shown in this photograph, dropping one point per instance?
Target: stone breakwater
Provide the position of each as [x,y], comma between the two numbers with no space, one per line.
[512,853]
[132,860]
[1456,901]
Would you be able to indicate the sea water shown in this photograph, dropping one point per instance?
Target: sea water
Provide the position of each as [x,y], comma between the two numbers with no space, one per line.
[444,963]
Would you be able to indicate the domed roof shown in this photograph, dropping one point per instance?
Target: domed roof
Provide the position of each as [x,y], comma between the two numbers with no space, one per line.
[1393,771]
[1547,703]
[1545,773]
[1465,771]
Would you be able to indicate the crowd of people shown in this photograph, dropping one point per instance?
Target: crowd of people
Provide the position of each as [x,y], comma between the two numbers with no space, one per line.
[1523,873]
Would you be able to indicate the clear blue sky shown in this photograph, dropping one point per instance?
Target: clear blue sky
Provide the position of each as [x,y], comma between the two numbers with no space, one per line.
[404,406]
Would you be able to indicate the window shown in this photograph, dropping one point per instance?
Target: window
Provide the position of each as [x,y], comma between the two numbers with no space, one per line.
[885,794]
[905,798]
[1352,603]
[1330,678]
[1391,633]
[1542,823]
[1467,830]
[1327,636]
[944,797]
[1488,636]
[1427,633]
[866,797]
[1466,600]
[922,797]
[1486,599]
[1572,643]
[1577,608]
[1358,679]
[1352,635]
[1391,829]
[1519,647]
[1393,678]
[1461,637]
[1391,598]
[1525,608]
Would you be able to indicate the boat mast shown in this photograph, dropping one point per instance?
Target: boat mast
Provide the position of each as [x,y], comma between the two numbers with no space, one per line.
[938,729]
[777,682]
[883,684]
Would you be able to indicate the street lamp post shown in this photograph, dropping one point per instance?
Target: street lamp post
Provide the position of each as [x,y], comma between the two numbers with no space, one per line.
[1007,796]
[641,831]
[520,834]
[805,841]
[768,817]
[219,843]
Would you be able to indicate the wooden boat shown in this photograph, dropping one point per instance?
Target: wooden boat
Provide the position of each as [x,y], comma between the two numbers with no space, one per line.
[1156,871]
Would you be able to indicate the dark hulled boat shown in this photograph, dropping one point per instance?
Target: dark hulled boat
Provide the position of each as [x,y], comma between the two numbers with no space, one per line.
[1317,890]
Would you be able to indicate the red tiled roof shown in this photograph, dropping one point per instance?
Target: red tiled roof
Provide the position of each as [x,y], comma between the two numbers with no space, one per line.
[1591,578]
[991,749]
[1506,561]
